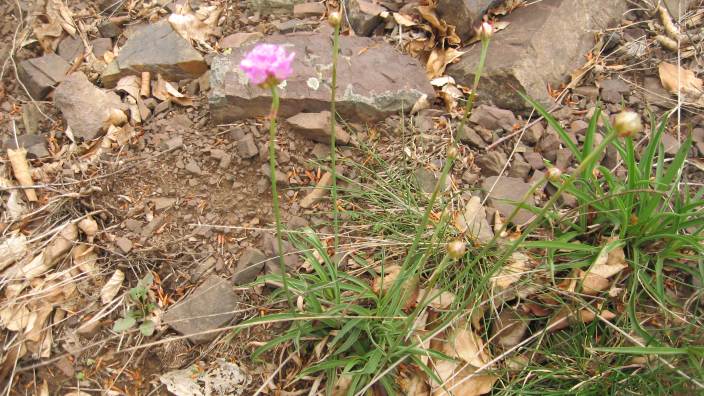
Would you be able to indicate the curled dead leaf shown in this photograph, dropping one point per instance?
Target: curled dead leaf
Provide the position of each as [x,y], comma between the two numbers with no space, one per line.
[89,227]
[468,346]
[85,258]
[22,172]
[516,266]
[112,287]
[12,248]
[409,288]
[455,380]
[196,26]
[676,80]
[508,328]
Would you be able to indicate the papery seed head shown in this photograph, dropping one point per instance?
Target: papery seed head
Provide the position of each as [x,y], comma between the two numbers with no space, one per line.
[554,174]
[452,151]
[486,30]
[627,124]
[335,19]
[456,249]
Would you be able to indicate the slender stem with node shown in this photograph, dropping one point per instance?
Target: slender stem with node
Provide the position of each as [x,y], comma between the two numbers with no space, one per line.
[333,138]
[274,192]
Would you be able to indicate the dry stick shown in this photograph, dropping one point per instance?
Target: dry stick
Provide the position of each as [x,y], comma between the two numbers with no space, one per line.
[271,377]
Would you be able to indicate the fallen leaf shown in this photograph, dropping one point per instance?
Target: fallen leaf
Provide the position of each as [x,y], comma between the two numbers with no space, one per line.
[468,346]
[404,20]
[89,227]
[508,328]
[195,26]
[22,172]
[610,261]
[676,79]
[440,300]
[12,249]
[512,271]
[439,59]
[453,376]
[85,258]
[61,244]
[414,385]
[15,317]
[473,221]
[342,385]
[112,287]
[409,288]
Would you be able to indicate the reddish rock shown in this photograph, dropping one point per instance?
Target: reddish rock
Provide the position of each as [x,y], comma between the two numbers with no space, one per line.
[368,88]
[543,44]
[158,49]
[40,75]
[316,127]
[463,14]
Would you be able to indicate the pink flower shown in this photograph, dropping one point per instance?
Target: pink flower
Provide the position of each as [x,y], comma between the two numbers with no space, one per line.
[267,63]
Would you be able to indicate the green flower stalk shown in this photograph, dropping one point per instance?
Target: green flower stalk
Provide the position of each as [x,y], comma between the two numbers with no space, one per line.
[335,20]
[267,65]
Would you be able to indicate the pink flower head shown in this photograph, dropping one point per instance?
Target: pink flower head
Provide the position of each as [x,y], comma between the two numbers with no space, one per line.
[267,63]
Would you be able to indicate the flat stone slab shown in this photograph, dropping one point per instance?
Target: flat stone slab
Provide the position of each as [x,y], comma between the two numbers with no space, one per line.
[374,80]
[158,49]
[543,44]
[506,195]
[212,305]
[41,74]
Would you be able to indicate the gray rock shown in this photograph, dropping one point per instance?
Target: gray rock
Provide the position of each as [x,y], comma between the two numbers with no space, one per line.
[124,244]
[276,7]
[192,167]
[519,169]
[109,29]
[158,49]
[171,144]
[246,146]
[85,106]
[427,180]
[161,203]
[270,248]
[524,57]
[240,39]
[564,158]
[210,306]
[307,10]
[492,118]
[535,160]
[249,266]
[671,145]
[294,25]
[364,16]
[549,145]
[368,90]
[491,163]
[316,127]
[35,145]
[506,194]
[463,14]
[612,90]
[534,133]
[469,136]
[41,74]
[101,46]
[70,48]
[698,138]
[578,126]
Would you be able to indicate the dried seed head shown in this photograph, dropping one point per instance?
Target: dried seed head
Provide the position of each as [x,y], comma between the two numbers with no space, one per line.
[486,30]
[554,174]
[627,124]
[335,19]
[456,249]
[452,151]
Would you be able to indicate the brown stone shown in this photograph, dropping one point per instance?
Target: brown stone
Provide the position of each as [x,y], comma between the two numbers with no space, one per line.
[363,16]
[40,75]
[506,195]
[367,88]
[85,106]
[237,40]
[316,127]
[305,10]
[158,49]
[543,44]
[463,14]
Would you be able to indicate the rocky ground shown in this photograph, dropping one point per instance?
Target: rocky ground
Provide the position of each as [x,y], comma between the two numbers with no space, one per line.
[147,151]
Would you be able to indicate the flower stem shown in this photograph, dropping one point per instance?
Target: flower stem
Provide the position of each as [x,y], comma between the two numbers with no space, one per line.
[448,163]
[274,192]
[333,138]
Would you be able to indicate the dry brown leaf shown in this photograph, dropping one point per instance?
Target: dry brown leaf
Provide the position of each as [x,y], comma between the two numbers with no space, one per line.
[440,300]
[428,13]
[512,271]
[676,79]
[61,244]
[565,317]
[12,249]
[468,346]
[409,288]
[85,258]
[89,227]
[112,287]
[453,374]
[342,385]
[508,328]
[195,26]
[438,60]
[473,221]
[130,85]
[414,385]
[610,261]
[15,317]
[404,20]
[22,172]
